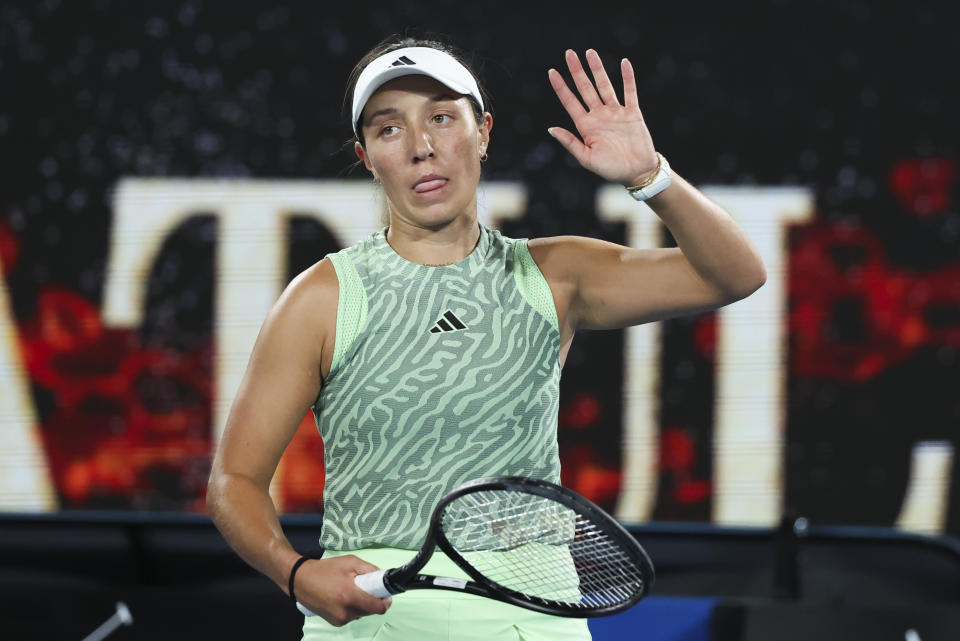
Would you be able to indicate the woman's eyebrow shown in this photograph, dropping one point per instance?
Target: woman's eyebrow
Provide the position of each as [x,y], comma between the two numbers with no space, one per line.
[387,111]
[380,112]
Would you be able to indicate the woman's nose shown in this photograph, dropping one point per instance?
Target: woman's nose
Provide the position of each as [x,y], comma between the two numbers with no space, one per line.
[422,145]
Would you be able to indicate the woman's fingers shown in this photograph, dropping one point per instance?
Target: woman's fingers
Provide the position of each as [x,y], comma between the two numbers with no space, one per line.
[583,83]
[327,587]
[613,139]
[362,602]
[597,92]
[605,89]
[567,99]
[629,85]
[571,143]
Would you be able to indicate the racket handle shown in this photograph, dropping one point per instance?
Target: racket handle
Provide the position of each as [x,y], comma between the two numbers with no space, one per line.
[307,612]
[372,583]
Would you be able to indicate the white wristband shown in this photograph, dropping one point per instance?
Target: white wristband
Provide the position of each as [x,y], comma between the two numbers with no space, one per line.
[660,182]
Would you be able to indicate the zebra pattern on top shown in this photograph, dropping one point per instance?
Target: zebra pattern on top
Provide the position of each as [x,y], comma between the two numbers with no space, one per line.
[408,413]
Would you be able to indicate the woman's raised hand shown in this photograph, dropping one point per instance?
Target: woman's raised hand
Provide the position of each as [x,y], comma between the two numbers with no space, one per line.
[616,144]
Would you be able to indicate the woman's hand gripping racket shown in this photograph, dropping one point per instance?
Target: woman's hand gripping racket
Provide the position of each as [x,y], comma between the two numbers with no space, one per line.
[529,543]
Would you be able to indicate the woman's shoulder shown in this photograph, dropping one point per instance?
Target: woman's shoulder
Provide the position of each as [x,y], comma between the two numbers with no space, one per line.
[555,251]
[320,282]
[306,313]
[313,291]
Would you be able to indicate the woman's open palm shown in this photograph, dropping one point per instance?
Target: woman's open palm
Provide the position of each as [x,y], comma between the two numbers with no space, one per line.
[614,141]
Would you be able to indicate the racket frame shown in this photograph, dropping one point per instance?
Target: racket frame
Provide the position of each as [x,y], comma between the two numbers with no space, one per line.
[407,577]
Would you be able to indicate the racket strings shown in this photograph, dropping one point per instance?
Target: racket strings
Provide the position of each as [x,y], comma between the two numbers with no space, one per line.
[541,548]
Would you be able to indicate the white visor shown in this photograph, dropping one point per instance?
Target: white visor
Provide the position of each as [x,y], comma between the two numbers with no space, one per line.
[424,61]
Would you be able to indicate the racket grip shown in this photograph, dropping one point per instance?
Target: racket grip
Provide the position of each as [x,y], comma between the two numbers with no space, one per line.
[372,583]
[307,612]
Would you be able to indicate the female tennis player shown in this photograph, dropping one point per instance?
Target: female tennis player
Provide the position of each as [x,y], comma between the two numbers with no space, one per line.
[431,352]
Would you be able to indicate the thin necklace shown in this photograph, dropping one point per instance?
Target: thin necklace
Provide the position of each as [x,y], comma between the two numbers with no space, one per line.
[432,264]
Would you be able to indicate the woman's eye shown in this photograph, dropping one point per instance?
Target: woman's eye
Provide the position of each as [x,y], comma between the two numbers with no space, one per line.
[389,130]
[441,119]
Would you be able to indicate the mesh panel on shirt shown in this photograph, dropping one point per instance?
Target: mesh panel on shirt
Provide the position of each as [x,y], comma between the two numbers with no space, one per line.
[533,285]
[351,306]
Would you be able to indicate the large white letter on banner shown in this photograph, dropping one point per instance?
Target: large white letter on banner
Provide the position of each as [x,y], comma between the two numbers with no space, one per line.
[25,483]
[751,365]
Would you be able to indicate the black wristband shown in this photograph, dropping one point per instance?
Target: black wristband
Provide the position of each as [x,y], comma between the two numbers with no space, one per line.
[293,573]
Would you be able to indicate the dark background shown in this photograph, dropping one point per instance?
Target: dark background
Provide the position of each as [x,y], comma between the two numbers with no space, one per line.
[855,100]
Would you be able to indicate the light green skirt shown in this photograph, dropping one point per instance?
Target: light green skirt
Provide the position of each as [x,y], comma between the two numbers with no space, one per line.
[440,615]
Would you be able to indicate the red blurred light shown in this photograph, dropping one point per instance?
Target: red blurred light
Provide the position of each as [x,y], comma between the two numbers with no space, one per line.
[923,185]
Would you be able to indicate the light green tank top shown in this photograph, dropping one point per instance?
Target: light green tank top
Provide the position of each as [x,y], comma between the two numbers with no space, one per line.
[440,375]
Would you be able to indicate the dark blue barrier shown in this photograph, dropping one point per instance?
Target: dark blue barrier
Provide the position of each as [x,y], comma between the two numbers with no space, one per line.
[659,619]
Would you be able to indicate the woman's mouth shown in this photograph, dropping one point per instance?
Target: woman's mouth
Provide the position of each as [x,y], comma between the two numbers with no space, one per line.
[429,184]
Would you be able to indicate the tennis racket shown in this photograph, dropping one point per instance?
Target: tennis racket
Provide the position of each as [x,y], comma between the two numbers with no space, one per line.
[529,543]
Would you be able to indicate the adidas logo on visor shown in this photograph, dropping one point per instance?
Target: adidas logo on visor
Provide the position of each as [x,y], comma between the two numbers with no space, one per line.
[402,61]
[447,323]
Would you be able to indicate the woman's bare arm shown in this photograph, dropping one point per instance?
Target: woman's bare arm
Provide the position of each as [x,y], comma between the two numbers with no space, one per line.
[601,285]
[611,286]
[282,380]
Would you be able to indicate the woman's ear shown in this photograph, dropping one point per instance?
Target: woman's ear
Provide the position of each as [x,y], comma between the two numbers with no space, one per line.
[362,155]
[484,131]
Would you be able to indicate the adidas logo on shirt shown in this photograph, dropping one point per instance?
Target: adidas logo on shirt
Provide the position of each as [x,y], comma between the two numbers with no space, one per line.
[447,323]
[401,61]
